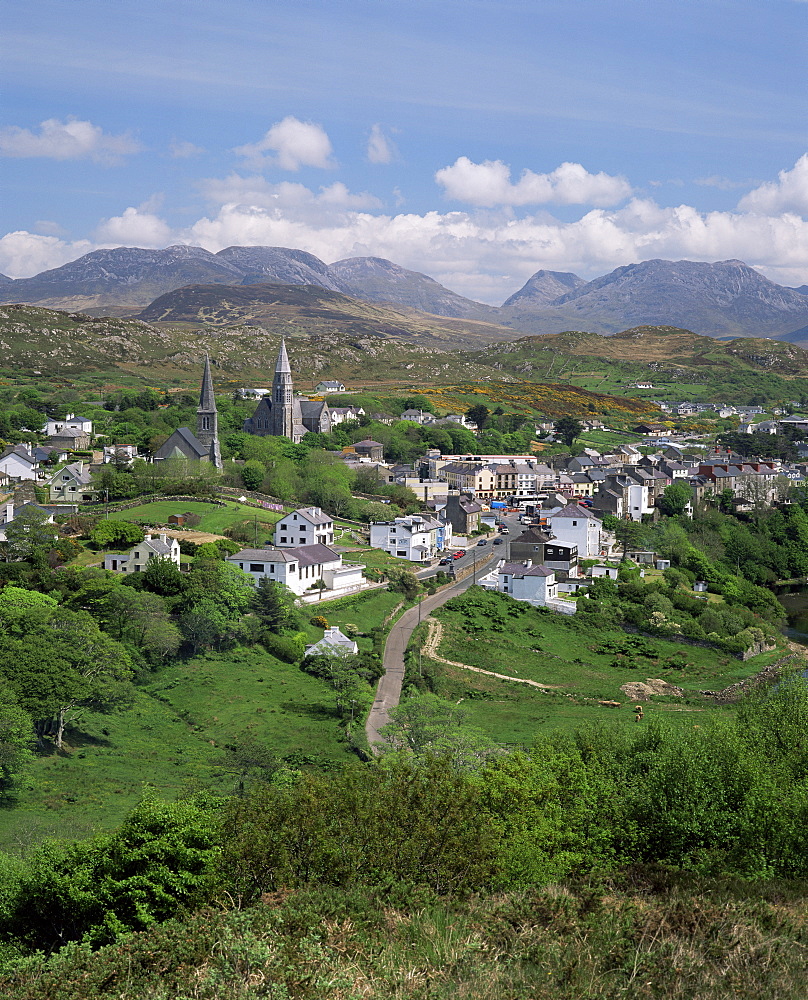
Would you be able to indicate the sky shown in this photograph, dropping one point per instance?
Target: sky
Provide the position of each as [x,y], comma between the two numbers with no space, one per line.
[472,140]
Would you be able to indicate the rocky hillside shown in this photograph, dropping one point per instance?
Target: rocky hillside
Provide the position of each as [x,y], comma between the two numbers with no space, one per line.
[377,280]
[75,347]
[725,299]
[310,310]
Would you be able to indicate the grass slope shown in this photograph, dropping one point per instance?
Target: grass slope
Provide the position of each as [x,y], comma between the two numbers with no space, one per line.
[492,631]
[174,735]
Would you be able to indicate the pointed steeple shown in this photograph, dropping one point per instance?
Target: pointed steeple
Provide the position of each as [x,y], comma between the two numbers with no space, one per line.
[207,419]
[282,364]
[207,402]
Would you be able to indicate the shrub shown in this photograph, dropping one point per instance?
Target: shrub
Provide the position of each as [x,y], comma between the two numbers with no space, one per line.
[285,647]
[320,621]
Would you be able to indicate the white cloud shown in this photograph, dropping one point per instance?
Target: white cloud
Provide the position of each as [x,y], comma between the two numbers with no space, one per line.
[380,148]
[489,183]
[295,144]
[181,150]
[137,227]
[789,193]
[23,254]
[70,140]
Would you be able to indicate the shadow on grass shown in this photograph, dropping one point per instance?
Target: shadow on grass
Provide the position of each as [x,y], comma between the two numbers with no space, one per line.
[310,711]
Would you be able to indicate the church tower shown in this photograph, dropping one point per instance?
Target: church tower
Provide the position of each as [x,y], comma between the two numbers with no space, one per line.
[207,418]
[283,415]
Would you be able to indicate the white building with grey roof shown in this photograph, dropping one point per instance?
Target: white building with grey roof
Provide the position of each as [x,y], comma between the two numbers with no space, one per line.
[137,559]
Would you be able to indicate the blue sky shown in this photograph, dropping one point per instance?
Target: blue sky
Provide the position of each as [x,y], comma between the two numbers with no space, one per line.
[475,141]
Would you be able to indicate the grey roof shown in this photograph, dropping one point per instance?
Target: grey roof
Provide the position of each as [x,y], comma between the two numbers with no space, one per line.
[312,407]
[519,569]
[20,450]
[368,443]
[533,534]
[576,510]
[81,475]
[69,432]
[267,554]
[157,545]
[305,555]
[313,514]
[190,440]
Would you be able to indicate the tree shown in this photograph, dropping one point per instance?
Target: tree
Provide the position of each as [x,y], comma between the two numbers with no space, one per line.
[116,534]
[163,577]
[16,736]
[253,473]
[30,536]
[675,499]
[274,605]
[568,429]
[428,725]
[59,664]
[478,415]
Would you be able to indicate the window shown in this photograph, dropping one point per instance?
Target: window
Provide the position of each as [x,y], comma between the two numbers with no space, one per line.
[401,552]
[575,524]
[256,567]
[283,538]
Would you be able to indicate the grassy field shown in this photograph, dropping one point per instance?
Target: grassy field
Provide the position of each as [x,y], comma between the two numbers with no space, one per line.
[214,518]
[174,736]
[491,631]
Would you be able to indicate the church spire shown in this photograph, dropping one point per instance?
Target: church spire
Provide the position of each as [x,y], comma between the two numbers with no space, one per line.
[282,364]
[207,402]
[283,410]
[207,419]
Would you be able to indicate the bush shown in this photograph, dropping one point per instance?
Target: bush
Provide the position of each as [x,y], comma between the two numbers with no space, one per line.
[116,534]
[320,621]
[288,648]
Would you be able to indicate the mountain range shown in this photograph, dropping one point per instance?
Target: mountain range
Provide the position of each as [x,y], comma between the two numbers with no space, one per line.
[723,299]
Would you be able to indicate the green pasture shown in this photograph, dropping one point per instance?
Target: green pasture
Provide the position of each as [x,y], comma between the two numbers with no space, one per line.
[214,518]
[174,736]
[494,632]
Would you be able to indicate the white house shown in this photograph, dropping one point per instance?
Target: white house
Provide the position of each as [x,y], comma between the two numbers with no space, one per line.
[578,525]
[18,461]
[54,428]
[416,538]
[304,526]
[333,642]
[329,386]
[339,414]
[137,559]
[299,567]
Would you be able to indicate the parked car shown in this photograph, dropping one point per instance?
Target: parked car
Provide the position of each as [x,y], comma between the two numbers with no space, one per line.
[483,541]
[446,561]
[499,541]
[504,531]
[458,555]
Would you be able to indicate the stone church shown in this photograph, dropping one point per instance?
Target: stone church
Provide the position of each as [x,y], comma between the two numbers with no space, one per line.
[204,445]
[282,414]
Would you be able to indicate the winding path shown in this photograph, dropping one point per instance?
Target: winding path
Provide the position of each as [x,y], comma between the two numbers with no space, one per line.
[388,693]
[430,648]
